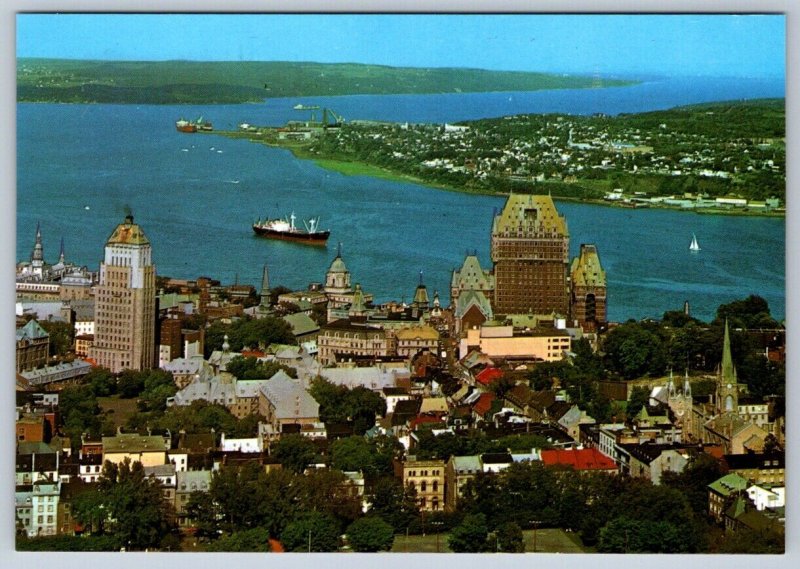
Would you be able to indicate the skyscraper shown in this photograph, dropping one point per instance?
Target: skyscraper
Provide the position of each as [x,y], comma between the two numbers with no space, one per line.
[530,252]
[125,302]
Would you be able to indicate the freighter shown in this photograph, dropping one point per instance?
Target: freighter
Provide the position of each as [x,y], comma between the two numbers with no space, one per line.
[185,126]
[285,229]
[193,126]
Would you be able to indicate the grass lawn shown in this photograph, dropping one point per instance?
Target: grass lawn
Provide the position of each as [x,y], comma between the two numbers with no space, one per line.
[548,540]
[117,410]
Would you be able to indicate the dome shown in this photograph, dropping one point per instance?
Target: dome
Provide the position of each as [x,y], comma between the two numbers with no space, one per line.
[338,266]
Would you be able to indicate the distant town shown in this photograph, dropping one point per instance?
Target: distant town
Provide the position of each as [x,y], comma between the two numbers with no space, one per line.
[715,158]
[506,414]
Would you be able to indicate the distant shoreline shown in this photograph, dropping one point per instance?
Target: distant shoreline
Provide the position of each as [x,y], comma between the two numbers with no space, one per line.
[352,168]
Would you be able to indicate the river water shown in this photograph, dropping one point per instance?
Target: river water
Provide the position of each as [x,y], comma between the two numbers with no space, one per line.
[81,166]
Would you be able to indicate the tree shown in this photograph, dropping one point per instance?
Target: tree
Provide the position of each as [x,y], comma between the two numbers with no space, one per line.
[295,452]
[509,538]
[251,540]
[128,505]
[639,398]
[251,368]
[62,336]
[370,533]
[752,312]
[767,540]
[693,481]
[101,381]
[328,491]
[395,504]
[79,413]
[634,350]
[312,531]
[352,454]
[338,404]
[130,383]
[157,386]
[205,514]
[470,535]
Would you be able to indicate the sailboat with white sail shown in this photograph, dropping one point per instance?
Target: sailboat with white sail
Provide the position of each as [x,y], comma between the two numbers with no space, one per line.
[694,246]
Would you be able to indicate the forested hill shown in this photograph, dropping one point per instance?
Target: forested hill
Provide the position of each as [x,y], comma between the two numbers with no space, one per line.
[176,82]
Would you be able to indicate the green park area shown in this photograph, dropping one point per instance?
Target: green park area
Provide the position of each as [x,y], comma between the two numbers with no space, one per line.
[547,540]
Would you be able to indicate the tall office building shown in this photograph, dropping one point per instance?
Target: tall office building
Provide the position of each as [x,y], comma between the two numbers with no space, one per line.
[125,302]
[530,252]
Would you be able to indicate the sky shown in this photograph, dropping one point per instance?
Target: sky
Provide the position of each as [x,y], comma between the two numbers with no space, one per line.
[691,44]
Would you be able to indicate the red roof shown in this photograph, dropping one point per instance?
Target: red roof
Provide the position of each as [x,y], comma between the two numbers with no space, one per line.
[579,459]
[252,354]
[488,375]
[276,546]
[424,419]
[483,404]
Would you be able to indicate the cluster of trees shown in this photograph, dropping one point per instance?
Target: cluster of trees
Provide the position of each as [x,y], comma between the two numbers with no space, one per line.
[445,445]
[128,506]
[248,333]
[678,342]
[251,368]
[610,512]
[81,413]
[651,348]
[340,404]
[306,512]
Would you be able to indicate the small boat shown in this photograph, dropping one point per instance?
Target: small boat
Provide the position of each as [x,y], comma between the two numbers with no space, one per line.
[694,246]
[285,229]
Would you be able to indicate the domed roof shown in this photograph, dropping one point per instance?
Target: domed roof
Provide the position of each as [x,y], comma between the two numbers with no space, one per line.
[338,266]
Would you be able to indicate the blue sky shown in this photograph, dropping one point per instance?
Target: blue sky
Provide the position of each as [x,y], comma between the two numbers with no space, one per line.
[692,44]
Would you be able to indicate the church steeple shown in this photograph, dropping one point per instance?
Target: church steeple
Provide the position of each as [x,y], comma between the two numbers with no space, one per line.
[61,253]
[671,385]
[37,256]
[727,388]
[727,369]
[687,388]
[265,287]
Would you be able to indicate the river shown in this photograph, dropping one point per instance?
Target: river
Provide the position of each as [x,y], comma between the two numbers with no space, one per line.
[81,166]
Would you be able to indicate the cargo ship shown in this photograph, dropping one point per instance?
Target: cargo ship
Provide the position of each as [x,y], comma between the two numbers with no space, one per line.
[185,126]
[193,126]
[285,229]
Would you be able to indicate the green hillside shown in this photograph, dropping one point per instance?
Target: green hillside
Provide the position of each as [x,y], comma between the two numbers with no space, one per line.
[176,82]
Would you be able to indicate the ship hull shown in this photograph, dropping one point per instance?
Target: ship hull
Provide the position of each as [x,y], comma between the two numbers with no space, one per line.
[317,238]
[187,128]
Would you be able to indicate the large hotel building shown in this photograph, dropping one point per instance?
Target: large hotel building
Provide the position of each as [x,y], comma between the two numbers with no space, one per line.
[530,252]
[125,302]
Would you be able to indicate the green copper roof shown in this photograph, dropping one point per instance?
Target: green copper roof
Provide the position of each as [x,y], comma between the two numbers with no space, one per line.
[728,371]
[337,266]
[471,276]
[586,268]
[729,484]
[530,214]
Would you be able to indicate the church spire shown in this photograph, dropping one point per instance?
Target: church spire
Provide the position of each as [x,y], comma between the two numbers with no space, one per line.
[37,256]
[265,286]
[687,388]
[671,385]
[61,253]
[728,372]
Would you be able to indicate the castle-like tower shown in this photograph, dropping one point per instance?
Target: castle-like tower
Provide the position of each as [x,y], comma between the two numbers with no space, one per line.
[125,302]
[530,252]
[588,289]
